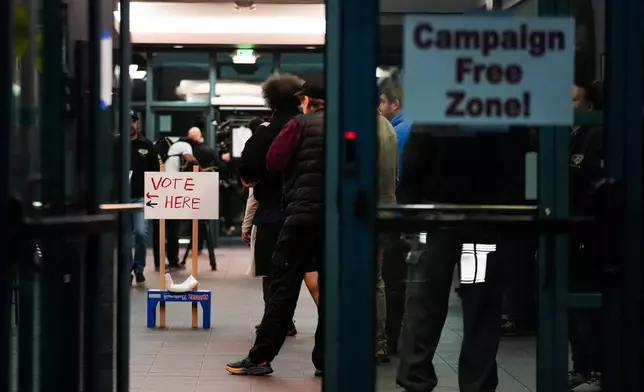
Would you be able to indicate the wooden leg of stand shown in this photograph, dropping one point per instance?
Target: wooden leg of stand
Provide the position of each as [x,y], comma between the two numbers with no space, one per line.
[195,269]
[162,257]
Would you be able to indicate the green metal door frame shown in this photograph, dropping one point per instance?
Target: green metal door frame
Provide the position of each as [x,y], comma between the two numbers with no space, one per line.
[623,124]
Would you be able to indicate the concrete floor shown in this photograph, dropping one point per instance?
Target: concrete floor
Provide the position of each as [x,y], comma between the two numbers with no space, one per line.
[186,360]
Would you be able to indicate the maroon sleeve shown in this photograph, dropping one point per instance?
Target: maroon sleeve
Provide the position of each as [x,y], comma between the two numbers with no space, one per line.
[283,147]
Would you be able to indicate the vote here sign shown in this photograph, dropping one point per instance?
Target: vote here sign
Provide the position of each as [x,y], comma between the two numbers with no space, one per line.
[184,195]
[488,70]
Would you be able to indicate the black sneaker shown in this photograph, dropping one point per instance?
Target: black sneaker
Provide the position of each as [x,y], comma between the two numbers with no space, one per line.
[509,328]
[246,367]
[139,277]
[382,356]
[575,379]
[158,268]
[176,267]
[318,373]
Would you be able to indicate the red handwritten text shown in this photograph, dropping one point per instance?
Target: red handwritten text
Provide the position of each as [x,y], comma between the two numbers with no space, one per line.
[187,184]
[182,202]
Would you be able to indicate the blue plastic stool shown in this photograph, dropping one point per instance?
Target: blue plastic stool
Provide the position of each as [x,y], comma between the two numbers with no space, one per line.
[155,296]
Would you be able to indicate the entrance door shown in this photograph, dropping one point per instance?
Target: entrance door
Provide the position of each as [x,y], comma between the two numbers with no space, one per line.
[478,221]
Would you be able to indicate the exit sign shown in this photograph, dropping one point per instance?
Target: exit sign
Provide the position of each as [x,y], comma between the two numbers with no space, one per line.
[245,52]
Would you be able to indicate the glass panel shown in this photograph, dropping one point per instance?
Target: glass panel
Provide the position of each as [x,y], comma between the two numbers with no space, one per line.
[181,77]
[257,72]
[302,64]
[177,122]
[438,280]
[139,75]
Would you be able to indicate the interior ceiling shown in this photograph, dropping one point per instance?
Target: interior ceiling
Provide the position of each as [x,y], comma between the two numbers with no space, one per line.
[231,1]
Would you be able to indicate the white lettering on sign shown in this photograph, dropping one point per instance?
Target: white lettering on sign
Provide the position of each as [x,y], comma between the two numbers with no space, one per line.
[184,195]
[488,70]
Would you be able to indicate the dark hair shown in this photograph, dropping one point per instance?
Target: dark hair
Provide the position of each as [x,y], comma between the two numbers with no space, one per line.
[279,91]
[254,123]
[593,93]
[391,87]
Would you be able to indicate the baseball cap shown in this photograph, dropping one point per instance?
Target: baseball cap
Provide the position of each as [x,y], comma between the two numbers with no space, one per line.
[134,115]
[313,88]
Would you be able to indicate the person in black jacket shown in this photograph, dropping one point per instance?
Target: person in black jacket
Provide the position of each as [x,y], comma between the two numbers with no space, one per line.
[586,175]
[298,152]
[142,159]
[279,93]
[448,164]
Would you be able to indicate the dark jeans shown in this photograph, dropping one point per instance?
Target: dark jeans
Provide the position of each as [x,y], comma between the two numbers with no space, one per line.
[520,277]
[171,244]
[394,272]
[297,248]
[584,325]
[428,289]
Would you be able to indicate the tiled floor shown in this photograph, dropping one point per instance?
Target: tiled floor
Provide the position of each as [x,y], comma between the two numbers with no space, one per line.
[186,360]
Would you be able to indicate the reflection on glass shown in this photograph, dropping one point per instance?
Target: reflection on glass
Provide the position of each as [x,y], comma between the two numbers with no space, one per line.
[181,77]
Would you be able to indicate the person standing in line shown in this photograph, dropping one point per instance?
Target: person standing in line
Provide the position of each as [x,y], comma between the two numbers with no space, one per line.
[387,182]
[298,151]
[179,154]
[279,94]
[586,176]
[446,164]
[142,159]
[395,253]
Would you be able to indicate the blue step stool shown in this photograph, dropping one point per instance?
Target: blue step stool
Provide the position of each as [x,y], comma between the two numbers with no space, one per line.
[203,297]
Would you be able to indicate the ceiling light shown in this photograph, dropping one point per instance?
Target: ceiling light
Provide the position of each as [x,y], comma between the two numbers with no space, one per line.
[178,46]
[244,56]
[244,5]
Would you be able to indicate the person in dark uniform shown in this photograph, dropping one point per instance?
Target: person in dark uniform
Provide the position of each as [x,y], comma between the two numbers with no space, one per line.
[586,175]
[448,164]
[142,159]
[279,94]
[298,151]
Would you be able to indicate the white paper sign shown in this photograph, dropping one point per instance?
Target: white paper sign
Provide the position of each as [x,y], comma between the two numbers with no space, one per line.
[183,195]
[488,70]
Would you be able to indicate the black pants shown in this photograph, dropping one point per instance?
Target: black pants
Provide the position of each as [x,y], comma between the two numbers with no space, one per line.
[171,244]
[585,325]
[394,273]
[429,284]
[297,248]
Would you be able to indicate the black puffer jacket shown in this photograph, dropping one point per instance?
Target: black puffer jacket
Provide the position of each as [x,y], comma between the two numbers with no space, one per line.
[446,164]
[252,168]
[304,185]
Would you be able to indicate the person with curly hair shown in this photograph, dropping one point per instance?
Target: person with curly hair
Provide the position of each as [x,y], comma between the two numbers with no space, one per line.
[279,93]
[297,154]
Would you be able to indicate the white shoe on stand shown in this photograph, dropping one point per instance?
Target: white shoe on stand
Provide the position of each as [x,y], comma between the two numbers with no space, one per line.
[190,284]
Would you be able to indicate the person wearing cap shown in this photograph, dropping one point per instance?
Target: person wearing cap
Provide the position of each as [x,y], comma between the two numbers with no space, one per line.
[279,92]
[142,159]
[298,152]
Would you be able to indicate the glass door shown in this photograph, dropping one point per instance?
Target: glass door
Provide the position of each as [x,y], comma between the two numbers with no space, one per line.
[492,206]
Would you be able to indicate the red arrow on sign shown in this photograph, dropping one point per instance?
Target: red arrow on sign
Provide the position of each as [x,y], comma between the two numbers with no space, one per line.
[149,196]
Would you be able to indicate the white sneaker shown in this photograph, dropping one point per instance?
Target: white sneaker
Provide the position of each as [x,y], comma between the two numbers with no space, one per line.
[169,283]
[190,284]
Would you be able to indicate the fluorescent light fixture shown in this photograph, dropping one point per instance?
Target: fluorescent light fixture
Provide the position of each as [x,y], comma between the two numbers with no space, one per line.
[237,100]
[237,59]
[135,73]
[217,23]
[244,56]
[178,46]
[381,73]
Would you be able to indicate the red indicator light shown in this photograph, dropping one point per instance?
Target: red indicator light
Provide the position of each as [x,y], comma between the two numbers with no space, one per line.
[350,135]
